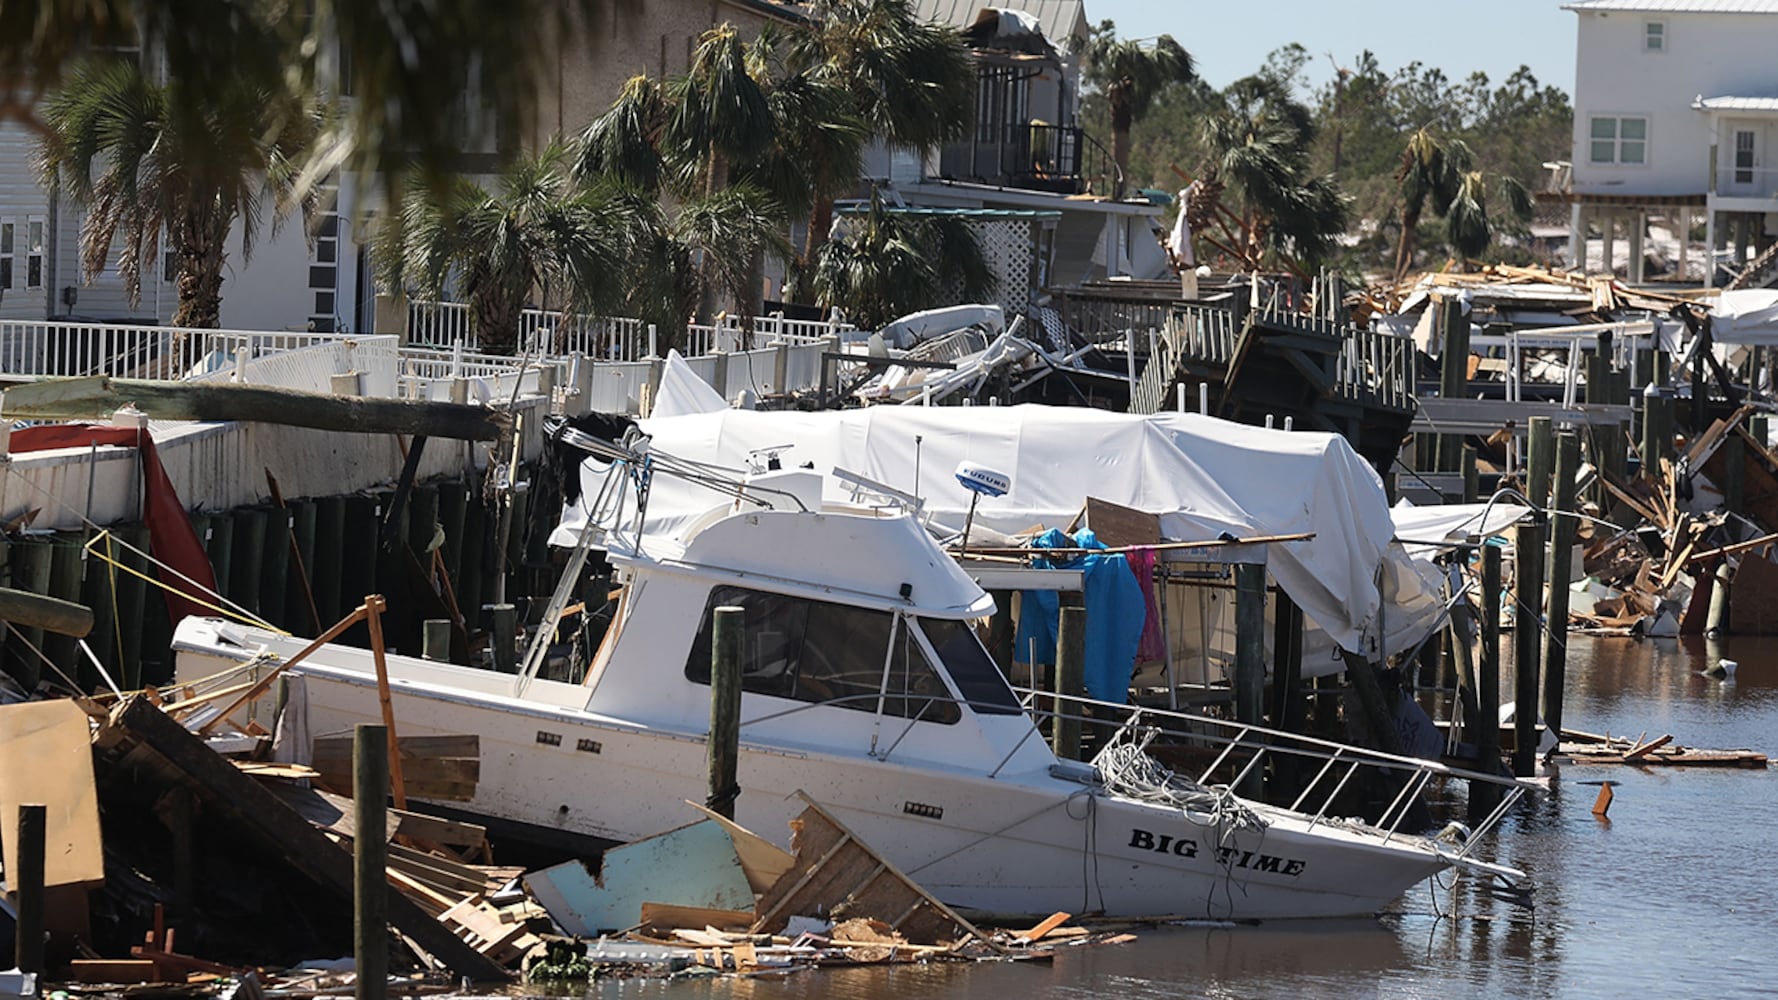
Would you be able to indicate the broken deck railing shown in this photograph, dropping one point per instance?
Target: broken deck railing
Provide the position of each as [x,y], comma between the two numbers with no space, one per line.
[1335,766]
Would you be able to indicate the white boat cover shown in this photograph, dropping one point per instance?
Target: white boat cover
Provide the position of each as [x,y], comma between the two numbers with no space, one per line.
[1201,475]
[682,391]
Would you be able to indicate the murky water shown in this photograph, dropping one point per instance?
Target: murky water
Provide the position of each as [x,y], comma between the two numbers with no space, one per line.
[1672,897]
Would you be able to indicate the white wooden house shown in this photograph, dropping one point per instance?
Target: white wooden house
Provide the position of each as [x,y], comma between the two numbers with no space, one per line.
[1675,108]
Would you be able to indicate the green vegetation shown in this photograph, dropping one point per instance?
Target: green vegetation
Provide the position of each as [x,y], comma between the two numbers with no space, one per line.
[1130,75]
[1349,137]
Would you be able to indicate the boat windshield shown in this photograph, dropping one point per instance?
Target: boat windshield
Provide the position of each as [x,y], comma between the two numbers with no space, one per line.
[818,652]
[974,672]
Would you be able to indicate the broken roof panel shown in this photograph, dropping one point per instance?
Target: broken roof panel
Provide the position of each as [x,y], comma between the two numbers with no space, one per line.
[1062,21]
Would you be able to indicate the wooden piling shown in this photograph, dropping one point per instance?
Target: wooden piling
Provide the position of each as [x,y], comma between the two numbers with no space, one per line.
[1541,459]
[1734,484]
[1462,639]
[370,885]
[1527,643]
[1250,638]
[1718,622]
[274,576]
[134,614]
[31,558]
[249,559]
[1071,671]
[66,569]
[1287,664]
[723,747]
[504,619]
[1483,796]
[220,547]
[303,529]
[329,560]
[27,884]
[1453,373]
[1563,527]
[1472,476]
[435,639]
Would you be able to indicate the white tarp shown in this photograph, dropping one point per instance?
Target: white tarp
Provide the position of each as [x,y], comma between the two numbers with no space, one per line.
[1745,316]
[683,391]
[1201,475]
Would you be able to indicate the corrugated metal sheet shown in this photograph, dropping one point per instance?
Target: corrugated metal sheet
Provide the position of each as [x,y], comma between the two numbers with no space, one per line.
[1061,20]
[1738,104]
[1678,6]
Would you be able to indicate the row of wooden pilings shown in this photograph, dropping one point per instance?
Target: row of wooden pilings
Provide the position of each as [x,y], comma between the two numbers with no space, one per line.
[296,565]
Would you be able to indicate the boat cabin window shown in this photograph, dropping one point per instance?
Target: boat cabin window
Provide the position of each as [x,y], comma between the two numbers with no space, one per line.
[970,667]
[818,652]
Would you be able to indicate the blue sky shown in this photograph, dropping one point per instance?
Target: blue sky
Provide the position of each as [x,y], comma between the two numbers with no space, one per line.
[1230,40]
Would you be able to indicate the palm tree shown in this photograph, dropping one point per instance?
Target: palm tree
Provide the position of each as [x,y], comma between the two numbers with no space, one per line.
[1131,74]
[913,81]
[536,236]
[1259,145]
[1440,171]
[1430,170]
[147,159]
[409,66]
[894,263]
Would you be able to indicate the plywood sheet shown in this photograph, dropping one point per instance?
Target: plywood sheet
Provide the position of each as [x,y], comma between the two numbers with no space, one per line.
[46,756]
[694,865]
[1117,526]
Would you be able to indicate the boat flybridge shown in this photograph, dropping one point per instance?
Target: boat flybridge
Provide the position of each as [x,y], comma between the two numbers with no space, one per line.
[867,690]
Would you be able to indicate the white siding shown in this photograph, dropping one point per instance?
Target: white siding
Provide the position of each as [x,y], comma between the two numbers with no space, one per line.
[21,199]
[1703,55]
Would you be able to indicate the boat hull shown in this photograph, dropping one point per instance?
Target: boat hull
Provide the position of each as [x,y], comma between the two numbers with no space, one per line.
[1025,843]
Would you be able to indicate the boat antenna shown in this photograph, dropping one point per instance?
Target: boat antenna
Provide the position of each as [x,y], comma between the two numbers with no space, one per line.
[918,440]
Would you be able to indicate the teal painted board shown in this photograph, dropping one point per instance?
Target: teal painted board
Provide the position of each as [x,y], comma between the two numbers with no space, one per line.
[695,865]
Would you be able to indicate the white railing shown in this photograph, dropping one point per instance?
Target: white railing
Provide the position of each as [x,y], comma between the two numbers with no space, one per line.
[610,338]
[1376,367]
[57,348]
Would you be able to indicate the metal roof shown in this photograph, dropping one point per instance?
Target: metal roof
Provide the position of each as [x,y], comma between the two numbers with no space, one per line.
[1727,103]
[1677,6]
[1061,20]
[976,214]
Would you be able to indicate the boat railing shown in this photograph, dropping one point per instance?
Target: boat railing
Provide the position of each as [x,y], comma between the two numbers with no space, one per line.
[1244,752]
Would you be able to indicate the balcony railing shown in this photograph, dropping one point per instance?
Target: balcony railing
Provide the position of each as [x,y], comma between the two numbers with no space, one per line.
[1034,157]
[1745,182]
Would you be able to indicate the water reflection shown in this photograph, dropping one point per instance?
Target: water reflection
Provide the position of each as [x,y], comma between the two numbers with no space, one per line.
[1672,897]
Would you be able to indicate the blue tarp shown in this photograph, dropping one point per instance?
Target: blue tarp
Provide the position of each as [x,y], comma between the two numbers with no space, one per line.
[1116,612]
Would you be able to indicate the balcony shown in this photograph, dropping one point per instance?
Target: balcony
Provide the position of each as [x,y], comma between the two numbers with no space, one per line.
[1060,159]
[1736,183]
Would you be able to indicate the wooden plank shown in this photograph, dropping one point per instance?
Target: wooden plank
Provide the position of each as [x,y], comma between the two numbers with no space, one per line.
[763,861]
[1647,748]
[1048,924]
[30,610]
[91,398]
[1116,525]
[663,917]
[46,756]
[113,970]
[229,796]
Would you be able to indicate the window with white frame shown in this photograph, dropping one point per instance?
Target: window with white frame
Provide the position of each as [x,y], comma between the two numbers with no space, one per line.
[34,226]
[8,243]
[1654,36]
[1621,139]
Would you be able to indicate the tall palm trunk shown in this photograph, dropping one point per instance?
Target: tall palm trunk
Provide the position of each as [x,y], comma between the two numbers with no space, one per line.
[1404,251]
[199,252]
[497,313]
[1121,121]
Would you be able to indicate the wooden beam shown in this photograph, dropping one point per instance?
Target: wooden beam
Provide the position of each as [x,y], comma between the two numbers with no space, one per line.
[96,397]
[28,610]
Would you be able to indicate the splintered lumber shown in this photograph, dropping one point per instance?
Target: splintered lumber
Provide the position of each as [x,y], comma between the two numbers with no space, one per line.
[445,768]
[475,922]
[140,733]
[121,971]
[46,757]
[28,610]
[1043,929]
[1647,748]
[660,917]
[91,398]
[837,874]
[334,812]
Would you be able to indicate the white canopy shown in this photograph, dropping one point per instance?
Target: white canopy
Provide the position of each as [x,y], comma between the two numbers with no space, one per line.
[1202,476]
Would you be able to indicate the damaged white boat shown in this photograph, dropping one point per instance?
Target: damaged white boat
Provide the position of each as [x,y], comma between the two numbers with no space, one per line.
[867,689]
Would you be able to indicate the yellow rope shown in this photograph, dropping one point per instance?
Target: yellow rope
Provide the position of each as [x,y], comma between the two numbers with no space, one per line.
[116,618]
[246,619]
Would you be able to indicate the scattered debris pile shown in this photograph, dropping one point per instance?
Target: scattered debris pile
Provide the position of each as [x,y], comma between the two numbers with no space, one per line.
[189,861]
